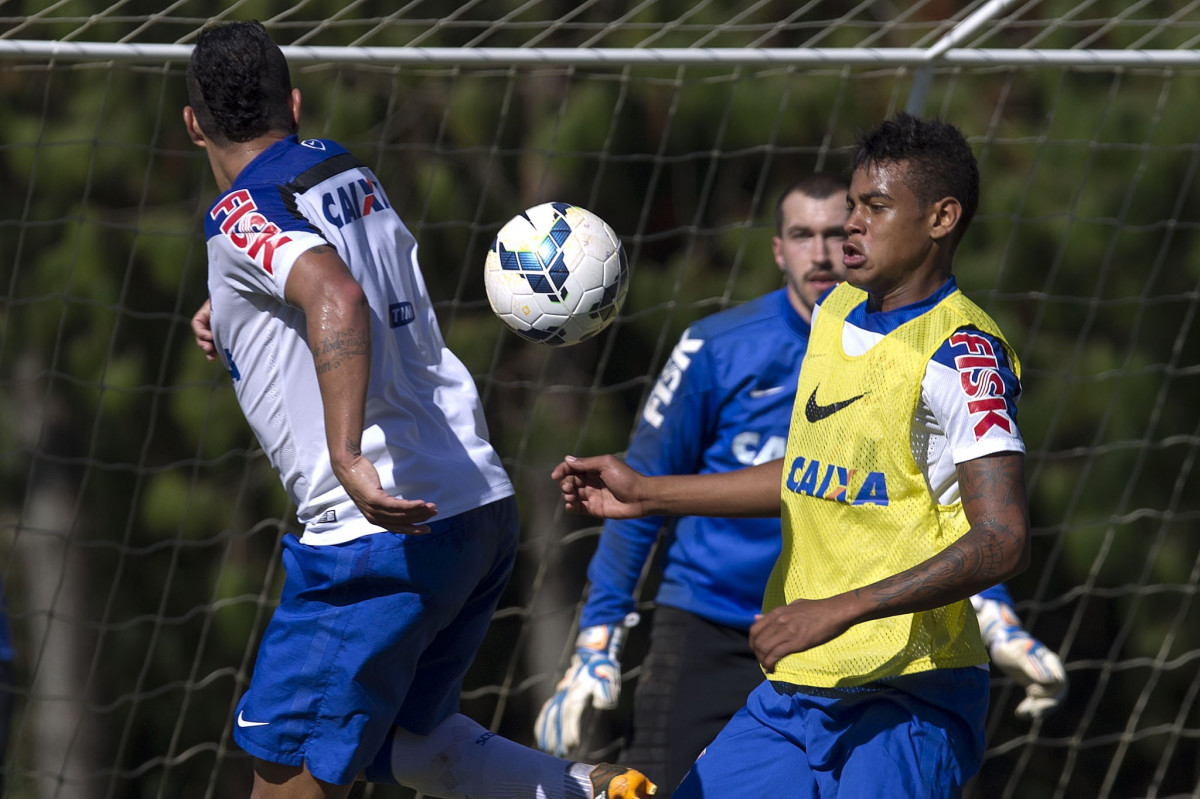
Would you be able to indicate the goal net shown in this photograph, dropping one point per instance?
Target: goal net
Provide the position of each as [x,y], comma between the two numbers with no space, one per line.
[140,522]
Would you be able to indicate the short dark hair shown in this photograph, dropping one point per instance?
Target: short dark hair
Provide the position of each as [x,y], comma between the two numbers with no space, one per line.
[238,83]
[939,160]
[817,185]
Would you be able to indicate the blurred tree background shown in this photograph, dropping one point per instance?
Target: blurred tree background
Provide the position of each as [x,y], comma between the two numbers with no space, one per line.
[139,521]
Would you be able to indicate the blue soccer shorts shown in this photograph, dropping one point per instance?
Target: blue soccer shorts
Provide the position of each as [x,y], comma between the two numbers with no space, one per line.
[375,632]
[916,736]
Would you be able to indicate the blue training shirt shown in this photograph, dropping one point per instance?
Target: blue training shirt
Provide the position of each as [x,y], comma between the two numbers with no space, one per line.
[722,402]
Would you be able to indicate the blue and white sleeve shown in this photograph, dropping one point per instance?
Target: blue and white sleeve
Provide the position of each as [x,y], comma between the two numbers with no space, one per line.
[253,240]
[972,392]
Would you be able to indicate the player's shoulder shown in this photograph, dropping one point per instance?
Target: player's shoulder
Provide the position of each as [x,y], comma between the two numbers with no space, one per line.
[761,313]
[968,347]
[291,166]
[261,196]
[294,162]
[761,338]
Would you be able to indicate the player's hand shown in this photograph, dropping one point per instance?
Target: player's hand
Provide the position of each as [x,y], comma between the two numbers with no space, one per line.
[202,330]
[593,678]
[361,481]
[1022,657]
[798,626]
[602,486]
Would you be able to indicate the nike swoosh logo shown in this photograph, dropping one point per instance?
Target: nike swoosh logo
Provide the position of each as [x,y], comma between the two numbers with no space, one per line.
[756,393]
[815,413]
[241,722]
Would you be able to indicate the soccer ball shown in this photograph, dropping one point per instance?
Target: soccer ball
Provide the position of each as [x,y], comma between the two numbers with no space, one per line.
[556,274]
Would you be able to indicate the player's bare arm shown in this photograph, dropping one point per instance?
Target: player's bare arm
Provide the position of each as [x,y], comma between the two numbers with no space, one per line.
[338,326]
[995,548]
[605,486]
[202,330]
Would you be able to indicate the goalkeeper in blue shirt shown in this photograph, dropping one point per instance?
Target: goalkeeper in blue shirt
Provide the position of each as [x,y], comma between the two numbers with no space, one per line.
[723,402]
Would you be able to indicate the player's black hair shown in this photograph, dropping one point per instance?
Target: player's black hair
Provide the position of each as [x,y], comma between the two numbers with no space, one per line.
[817,185]
[939,160]
[238,83]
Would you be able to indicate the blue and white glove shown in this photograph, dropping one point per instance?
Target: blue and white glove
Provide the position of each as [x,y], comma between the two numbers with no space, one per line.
[593,678]
[1022,657]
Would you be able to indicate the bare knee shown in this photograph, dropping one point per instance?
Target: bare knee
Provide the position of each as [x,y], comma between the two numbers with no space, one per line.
[277,781]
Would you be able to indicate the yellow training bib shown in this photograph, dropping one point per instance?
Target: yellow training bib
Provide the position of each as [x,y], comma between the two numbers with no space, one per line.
[856,506]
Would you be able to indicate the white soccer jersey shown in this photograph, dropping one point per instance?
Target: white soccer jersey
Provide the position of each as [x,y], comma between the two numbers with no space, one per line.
[968,405]
[424,427]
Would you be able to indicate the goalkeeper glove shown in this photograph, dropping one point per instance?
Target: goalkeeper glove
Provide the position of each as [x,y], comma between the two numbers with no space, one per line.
[593,677]
[1022,657]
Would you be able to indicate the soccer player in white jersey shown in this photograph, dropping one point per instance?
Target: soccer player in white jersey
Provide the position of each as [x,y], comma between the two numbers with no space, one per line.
[319,312]
[901,492]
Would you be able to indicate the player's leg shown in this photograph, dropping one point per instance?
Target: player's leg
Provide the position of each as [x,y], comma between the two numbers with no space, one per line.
[695,676]
[920,736]
[443,753]
[760,752]
[460,759]
[274,781]
[341,651]
[463,573]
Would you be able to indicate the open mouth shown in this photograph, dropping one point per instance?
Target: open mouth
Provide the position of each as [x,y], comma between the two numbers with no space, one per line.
[851,256]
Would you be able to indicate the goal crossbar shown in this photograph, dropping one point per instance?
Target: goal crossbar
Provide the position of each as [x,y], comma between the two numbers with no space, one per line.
[628,56]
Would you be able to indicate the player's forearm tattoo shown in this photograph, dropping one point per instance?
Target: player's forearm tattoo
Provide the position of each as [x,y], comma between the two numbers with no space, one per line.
[334,348]
[993,495]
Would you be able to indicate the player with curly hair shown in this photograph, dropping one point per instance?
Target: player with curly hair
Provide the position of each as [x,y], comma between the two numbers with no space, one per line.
[901,493]
[319,311]
[723,402]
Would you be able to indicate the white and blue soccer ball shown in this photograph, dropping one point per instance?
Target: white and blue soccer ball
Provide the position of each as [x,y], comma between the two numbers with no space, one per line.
[556,274]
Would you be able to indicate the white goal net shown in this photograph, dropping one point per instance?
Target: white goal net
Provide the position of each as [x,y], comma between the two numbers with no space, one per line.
[139,521]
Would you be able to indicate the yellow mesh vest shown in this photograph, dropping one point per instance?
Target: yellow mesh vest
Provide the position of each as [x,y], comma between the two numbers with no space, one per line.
[856,507]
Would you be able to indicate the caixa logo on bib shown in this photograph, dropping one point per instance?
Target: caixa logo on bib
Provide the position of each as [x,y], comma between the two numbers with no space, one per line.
[836,483]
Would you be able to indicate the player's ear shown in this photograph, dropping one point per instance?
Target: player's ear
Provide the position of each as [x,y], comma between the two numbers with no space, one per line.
[777,249]
[294,104]
[944,216]
[193,127]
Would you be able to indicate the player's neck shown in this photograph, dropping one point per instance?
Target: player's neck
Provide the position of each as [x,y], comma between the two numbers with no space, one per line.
[914,288]
[229,161]
[799,305]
